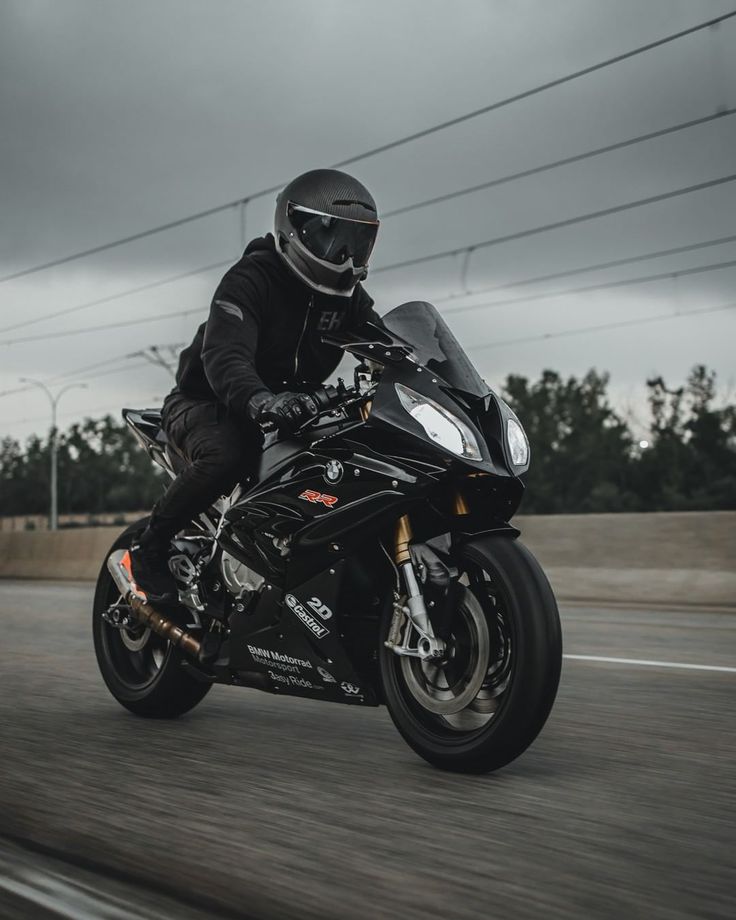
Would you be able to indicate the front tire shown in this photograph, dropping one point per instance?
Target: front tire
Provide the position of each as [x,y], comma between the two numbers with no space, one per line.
[141,669]
[519,674]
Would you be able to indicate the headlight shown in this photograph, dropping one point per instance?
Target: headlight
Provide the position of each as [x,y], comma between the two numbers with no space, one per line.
[518,444]
[439,425]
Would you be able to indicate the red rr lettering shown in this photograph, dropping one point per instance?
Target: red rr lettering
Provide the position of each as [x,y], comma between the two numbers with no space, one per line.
[311,496]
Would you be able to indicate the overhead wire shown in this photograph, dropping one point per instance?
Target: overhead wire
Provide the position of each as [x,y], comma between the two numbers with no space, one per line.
[597,266]
[603,327]
[383,148]
[79,371]
[603,286]
[556,225]
[129,292]
[421,259]
[68,414]
[178,314]
[555,164]
[220,264]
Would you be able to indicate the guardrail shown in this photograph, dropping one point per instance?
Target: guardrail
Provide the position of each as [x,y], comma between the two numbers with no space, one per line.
[682,559]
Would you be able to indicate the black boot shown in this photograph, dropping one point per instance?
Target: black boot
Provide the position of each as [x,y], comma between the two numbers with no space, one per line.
[149,562]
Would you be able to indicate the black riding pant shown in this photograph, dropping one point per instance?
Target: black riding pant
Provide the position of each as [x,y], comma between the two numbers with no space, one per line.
[219,451]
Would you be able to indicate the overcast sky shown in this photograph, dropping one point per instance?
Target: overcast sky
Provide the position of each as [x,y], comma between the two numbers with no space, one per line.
[118,116]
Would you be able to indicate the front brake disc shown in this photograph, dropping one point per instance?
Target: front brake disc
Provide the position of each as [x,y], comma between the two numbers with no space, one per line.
[428,681]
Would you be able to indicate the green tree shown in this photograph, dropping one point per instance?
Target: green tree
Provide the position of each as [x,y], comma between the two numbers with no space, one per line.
[581,450]
[691,464]
[101,468]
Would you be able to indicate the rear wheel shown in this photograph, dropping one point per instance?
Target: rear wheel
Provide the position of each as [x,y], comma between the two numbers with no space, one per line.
[141,669]
[486,700]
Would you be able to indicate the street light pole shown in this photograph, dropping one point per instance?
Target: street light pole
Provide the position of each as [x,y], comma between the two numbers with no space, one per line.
[54,486]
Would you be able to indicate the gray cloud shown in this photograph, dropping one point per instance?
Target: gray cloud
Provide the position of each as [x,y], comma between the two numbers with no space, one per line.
[120,116]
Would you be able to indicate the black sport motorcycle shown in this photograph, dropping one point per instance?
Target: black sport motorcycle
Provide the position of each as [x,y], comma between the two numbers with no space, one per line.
[369,561]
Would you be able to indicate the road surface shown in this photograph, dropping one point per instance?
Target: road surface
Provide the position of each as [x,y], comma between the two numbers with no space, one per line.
[262,807]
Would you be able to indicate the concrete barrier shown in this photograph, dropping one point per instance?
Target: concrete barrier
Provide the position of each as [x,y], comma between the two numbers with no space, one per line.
[74,554]
[683,559]
[675,558]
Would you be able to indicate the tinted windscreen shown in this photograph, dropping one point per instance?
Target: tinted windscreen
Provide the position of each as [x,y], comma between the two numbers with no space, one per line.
[435,346]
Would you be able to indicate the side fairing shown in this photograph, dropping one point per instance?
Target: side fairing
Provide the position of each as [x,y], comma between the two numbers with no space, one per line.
[299,641]
[317,503]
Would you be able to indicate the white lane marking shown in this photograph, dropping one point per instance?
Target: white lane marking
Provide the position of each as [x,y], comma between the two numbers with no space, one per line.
[653,664]
[68,898]
[61,904]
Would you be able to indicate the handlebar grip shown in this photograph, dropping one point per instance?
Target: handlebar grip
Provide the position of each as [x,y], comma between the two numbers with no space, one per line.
[325,397]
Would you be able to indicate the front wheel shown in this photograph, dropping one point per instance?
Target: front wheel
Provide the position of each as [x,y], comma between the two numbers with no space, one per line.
[485,702]
[141,669]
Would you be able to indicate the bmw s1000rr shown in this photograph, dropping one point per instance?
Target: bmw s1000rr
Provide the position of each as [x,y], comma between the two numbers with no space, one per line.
[370,561]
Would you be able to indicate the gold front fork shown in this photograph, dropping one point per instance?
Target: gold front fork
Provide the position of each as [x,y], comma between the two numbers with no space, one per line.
[459,505]
[403,535]
[402,538]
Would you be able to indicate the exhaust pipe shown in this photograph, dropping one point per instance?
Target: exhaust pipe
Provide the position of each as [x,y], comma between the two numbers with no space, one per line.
[118,564]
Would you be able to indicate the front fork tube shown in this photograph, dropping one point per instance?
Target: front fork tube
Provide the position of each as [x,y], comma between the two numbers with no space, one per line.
[415,610]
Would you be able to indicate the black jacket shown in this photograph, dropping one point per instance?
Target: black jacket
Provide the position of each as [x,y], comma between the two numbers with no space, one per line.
[264,332]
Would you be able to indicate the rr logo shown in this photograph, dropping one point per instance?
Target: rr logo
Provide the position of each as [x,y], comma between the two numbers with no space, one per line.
[310,495]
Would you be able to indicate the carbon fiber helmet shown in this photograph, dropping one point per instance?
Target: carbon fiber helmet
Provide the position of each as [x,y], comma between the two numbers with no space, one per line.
[325,227]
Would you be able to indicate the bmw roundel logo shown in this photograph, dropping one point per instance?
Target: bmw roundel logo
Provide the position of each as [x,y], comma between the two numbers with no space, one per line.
[333,471]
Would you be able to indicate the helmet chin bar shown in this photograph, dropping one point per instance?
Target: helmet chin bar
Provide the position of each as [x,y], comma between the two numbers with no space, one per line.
[315,285]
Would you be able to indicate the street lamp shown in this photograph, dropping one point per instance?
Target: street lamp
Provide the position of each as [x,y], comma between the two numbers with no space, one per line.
[54,400]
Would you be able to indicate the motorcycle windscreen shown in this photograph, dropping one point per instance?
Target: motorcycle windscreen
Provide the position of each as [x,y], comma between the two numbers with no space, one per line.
[434,346]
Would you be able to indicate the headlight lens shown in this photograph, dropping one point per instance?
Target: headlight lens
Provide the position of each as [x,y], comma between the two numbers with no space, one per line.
[439,425]
[518,444]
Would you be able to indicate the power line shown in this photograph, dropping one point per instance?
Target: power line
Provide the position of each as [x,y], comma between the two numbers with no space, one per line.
[541,88]
[603,327]
[383,148]
[90,367]
[131,291]
[63,260]
[111,297]
[78,371]
[613,263]
[118,325]
[463,308]
[605,286]
[41,418]
[565,161]
[556,225]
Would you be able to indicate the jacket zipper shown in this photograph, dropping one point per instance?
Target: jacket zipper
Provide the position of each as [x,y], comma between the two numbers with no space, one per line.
[304,329]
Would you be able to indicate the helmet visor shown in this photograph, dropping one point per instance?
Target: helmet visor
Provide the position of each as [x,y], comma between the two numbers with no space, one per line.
[333,239]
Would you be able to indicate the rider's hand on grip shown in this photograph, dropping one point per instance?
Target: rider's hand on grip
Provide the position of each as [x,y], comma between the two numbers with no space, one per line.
[288,411]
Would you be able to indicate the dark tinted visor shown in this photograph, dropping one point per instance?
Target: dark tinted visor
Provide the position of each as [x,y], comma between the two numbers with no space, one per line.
[334,239]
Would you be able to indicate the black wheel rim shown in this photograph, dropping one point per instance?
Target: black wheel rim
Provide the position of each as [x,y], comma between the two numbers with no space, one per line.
[480,716]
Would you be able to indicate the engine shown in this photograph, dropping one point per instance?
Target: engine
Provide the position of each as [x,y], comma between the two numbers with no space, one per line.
[239,578]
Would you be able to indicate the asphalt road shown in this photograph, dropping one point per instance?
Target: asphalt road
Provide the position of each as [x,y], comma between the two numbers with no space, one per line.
[264,807]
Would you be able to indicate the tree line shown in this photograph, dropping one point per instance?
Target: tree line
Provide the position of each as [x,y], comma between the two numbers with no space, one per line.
[585,456]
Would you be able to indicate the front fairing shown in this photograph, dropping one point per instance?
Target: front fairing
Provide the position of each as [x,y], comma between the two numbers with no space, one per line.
[418,350]
[387,412]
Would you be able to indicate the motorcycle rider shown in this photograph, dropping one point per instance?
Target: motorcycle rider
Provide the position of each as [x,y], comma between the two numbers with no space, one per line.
[260,350]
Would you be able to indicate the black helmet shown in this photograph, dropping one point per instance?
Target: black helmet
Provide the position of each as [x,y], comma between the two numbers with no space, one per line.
[325,227]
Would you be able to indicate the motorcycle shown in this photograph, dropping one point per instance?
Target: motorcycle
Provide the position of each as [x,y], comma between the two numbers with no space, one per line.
[369,561]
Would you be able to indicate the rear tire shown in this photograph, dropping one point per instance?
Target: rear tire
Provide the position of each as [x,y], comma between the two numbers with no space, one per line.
[523,667]
[142,671]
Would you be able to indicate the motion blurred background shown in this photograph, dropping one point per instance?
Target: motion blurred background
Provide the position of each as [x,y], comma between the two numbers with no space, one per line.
[559,179]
